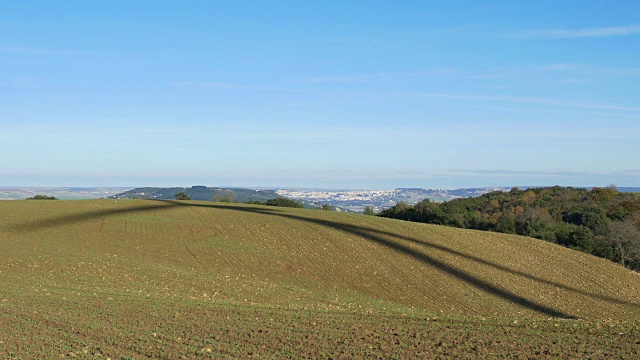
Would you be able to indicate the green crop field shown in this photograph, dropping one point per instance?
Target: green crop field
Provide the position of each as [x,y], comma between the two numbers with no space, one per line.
[138,279]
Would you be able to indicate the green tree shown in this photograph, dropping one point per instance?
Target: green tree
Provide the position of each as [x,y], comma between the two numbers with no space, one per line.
[427,211]
[283,202]
[182,196]
[401,211]
[506,224]
[583,240]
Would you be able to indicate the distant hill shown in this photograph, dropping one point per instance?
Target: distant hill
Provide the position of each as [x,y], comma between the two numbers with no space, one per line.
[202,193]
[169,279]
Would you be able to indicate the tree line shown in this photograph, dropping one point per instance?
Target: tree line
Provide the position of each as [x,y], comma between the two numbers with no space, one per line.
[42,197]
[227,196]
[602,221]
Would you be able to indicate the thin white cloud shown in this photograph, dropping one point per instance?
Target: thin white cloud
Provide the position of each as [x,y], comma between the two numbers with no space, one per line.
[574,81]
[23,82]
[559,67]
[21,50]
[216,85]
[615,133]
[585,33]
[66,52]
[530,73]
[634,173]
[380,77]
[543,72]
[530,100]
[343,79]
[504,172]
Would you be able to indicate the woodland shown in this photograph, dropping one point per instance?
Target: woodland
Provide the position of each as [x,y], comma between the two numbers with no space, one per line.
[602,221]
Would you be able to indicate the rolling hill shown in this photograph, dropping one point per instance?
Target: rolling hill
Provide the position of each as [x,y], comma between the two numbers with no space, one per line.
[161,278]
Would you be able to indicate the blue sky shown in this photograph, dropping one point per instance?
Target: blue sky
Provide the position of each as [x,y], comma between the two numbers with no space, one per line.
[326,94]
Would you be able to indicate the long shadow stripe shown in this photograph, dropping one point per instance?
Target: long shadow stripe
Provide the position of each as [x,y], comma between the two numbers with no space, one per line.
[462,275]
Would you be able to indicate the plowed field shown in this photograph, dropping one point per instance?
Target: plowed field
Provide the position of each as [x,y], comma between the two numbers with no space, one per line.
[136,279]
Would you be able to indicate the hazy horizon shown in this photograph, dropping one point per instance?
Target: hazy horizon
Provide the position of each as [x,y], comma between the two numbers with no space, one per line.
[127,188]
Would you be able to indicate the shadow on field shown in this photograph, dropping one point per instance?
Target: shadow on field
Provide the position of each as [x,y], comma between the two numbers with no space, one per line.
[86,216]
[378,236]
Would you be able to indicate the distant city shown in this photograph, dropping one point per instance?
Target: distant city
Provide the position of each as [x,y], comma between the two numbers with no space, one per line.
[357,200]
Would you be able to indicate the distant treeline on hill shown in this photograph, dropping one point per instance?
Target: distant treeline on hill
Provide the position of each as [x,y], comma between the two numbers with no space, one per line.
[202,193]
[602,221]
[282,202]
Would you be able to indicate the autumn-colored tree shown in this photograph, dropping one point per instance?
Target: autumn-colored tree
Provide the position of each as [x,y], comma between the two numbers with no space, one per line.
[593,221]
[529,197]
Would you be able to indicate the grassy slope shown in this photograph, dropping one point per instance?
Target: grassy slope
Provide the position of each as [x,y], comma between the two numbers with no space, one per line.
[160,257]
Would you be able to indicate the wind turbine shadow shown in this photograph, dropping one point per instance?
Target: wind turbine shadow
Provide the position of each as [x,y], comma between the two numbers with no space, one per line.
[384,238]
